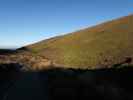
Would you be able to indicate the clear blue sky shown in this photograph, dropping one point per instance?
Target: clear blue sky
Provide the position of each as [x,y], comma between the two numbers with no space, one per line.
[27,21]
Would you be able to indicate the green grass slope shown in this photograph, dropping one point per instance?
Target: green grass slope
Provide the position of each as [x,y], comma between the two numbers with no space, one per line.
[105,44]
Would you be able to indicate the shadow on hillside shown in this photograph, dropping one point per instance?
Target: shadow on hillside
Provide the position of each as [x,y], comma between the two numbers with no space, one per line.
[16,84]
[8,73]
[104,84]
[68,84]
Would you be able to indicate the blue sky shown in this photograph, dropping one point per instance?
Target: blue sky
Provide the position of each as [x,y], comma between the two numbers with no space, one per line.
[24,22]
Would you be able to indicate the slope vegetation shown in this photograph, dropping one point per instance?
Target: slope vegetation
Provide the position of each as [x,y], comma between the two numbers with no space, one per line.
[101,45]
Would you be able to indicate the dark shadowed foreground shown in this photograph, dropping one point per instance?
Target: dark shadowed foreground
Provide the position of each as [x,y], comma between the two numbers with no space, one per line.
[66,84]
[18,85]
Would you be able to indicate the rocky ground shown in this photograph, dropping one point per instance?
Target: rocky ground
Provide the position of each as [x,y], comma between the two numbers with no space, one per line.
[30,61]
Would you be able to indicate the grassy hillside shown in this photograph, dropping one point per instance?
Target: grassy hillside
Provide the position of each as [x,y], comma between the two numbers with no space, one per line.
[101,45]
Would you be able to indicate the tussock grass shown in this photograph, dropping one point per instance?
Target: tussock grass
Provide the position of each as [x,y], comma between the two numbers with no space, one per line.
[110,41]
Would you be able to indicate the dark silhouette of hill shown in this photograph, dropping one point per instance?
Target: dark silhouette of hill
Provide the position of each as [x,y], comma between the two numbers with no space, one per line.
[22,49]
[6,51]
